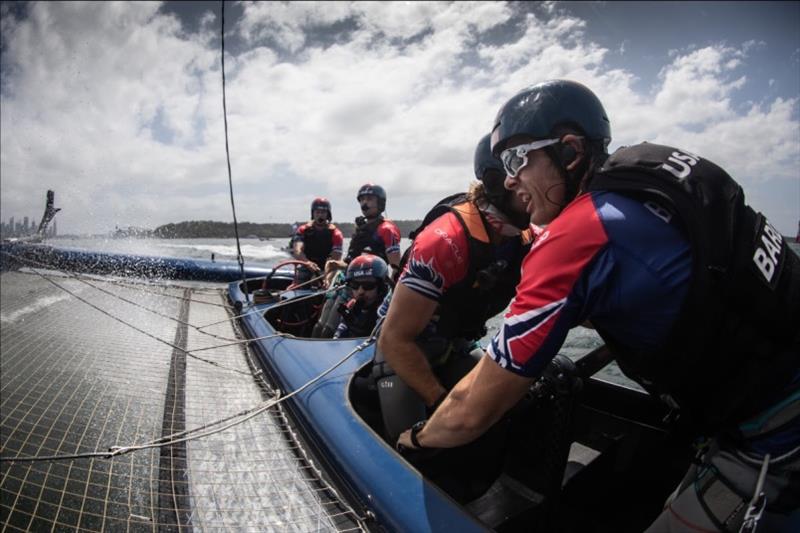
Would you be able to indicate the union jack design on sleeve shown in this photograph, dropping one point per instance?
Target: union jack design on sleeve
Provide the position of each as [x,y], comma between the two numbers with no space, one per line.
[532,330]
[516,328]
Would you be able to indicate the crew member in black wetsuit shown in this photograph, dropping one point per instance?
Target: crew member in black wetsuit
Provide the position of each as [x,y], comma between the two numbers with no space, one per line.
[374,233]
[367,277]
[319,239]
[462,269]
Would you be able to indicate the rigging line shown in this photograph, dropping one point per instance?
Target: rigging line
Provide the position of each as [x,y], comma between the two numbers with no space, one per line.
[131,302]
[103,311]
[255,411]
[199,432]
[239,256]
[292,437]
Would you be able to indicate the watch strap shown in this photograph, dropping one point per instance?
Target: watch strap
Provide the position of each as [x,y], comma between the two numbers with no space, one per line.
[416,428]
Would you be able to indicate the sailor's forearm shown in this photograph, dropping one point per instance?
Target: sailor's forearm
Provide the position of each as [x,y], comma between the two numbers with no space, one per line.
[454,424]
[477,402]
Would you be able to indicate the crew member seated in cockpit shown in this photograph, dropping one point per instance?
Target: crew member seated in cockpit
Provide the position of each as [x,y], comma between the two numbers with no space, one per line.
[367,278]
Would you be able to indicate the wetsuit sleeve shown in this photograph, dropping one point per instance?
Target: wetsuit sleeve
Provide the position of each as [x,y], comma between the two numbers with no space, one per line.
[298,235]
[389,233]
[546,306]
[337,240]
[438,259]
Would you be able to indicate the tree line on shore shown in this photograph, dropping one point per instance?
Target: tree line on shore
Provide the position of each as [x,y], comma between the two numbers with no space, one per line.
[211,229]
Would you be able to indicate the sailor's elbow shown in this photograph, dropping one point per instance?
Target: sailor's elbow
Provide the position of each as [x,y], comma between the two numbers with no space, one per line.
[386,345]
[466,418]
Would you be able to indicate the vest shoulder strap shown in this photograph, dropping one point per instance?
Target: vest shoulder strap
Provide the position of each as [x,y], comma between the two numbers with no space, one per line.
[473,221]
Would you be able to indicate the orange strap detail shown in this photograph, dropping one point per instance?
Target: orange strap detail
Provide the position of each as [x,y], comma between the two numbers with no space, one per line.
[472,219]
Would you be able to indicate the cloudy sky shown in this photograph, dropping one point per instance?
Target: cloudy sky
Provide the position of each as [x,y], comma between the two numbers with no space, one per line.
[118,106]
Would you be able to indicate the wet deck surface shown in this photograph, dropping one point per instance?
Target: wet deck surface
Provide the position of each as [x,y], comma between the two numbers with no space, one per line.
[79,379]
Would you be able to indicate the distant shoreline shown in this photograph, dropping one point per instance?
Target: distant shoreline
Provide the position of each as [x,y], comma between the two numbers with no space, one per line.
[210,229]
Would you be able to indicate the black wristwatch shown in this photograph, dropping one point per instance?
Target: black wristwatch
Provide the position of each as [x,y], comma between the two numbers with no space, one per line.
[416,428]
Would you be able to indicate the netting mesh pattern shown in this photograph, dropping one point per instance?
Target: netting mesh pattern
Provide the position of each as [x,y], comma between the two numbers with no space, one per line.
[74,379]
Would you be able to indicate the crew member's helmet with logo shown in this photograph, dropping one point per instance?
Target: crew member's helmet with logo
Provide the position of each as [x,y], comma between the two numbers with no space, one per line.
[367,266]
[377,190]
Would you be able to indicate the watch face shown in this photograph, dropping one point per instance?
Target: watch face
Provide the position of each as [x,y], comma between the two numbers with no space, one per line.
[419,425]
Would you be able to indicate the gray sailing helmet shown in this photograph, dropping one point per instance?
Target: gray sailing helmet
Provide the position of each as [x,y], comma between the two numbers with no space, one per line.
[539,109]
[489,171]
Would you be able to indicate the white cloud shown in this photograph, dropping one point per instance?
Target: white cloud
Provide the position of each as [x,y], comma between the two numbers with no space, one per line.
[118,108]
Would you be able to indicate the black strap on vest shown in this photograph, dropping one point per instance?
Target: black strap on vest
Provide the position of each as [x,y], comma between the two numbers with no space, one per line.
[366,236]
[738,335]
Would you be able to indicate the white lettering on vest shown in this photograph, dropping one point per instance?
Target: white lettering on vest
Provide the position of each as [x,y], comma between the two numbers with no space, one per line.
[658,211]
[767,258]
[684,161]
[764,264]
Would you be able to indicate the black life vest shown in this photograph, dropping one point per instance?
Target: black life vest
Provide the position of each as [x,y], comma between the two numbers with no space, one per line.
[492,274]
[737,340]
[318,243]
[366,235]
[360,319]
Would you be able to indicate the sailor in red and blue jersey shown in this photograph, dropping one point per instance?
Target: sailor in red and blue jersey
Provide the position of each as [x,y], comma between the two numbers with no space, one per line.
[695,293]
[319,239]
[374,233]
[461,269]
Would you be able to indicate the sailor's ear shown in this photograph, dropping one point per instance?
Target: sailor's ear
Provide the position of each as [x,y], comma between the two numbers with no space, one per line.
[572,152]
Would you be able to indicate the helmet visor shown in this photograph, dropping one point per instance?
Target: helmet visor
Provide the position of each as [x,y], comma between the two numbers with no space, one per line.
[514,159]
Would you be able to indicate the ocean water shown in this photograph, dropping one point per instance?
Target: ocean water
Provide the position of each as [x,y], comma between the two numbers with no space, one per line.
[269,252]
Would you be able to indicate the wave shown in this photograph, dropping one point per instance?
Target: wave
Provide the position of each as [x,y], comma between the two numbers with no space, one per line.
[221,251]
[38,305]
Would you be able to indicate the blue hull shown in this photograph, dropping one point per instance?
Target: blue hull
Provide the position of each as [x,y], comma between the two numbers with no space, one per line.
[380,481]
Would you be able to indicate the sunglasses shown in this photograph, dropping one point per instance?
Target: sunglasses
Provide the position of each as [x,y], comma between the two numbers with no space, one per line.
[514,159]
[366,285]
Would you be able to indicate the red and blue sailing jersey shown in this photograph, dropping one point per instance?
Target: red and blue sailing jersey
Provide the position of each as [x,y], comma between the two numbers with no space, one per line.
[389,233]
[439,258]
[609,259]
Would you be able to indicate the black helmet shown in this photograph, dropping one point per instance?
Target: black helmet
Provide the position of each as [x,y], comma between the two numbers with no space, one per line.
[489,171]
[377,190]
[321,203]
[538,110]
[367,265]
